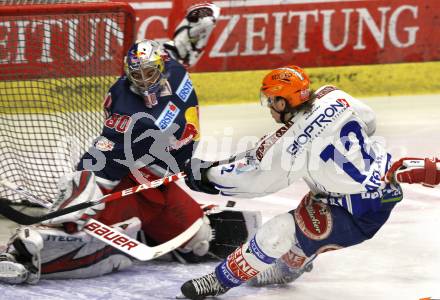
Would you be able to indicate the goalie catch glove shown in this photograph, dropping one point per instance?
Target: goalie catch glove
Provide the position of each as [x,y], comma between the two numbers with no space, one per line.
[425,171]
[192,34]
[76,188]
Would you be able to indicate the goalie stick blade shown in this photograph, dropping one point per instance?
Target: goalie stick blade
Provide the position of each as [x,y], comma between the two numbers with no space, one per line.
[135,248]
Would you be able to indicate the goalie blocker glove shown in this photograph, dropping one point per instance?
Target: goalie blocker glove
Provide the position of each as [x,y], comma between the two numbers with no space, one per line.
[425,171]
[76,188]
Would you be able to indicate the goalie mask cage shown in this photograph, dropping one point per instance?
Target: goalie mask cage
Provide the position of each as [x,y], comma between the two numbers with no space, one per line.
[57,63]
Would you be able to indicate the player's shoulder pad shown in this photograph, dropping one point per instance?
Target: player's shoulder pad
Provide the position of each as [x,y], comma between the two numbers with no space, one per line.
[179,80]
[174,68]
[324,90]
[115,92]
[328,94]
[120,87]
[268,141]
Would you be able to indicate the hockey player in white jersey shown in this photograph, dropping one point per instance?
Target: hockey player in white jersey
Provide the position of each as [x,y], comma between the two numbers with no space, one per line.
[326,140]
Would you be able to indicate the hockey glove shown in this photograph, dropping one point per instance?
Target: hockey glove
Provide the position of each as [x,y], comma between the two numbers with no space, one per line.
[196,179]
[415,170]
[76,188]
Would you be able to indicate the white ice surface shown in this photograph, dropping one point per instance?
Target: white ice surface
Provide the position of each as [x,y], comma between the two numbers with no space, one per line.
[401,262]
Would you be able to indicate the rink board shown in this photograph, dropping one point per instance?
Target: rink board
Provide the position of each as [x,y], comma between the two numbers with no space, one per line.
[360,81]
[60,95]
[225,87]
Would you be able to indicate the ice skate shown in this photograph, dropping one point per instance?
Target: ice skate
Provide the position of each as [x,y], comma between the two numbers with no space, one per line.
[11,271]
[279,273]
[22,263]
[202,287]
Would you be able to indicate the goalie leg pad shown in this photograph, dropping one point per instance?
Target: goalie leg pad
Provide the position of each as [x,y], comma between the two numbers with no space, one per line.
[232,229]
[79,255]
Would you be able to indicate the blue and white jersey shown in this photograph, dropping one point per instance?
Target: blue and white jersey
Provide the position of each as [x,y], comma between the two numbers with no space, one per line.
[331,147]
[135,136]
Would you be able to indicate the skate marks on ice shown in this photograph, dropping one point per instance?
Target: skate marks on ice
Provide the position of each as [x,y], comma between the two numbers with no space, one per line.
[401,262]
[146,281]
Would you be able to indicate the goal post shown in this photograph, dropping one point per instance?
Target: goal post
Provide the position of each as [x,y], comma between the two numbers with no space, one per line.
[57,62]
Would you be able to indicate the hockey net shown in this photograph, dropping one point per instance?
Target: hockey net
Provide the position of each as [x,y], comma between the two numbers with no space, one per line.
[57,62]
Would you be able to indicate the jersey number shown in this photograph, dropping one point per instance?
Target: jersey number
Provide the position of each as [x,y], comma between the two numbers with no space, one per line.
[118,122]
[330,152]
[227,169]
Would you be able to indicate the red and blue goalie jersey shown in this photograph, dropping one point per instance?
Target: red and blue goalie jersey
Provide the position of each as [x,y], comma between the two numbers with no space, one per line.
[160,138]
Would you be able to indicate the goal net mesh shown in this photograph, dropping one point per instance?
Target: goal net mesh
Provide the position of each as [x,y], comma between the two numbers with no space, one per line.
[57,63]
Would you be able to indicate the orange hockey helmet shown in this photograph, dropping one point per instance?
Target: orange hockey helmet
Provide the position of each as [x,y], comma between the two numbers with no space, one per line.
[290,83]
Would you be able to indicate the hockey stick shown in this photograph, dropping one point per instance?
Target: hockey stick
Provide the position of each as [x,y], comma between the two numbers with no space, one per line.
[19,190]
[108,234]
[135,248]
[23,219]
